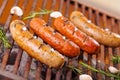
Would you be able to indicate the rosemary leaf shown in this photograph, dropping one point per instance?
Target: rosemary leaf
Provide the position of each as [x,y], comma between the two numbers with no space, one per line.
[89,67]
[108,74]
[41,12]
[116,59]
[76,70]
[4,39]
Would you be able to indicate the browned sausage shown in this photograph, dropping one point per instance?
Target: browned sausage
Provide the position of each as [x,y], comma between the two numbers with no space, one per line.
[55,39]
[67,28]
[106,38]
[35,46]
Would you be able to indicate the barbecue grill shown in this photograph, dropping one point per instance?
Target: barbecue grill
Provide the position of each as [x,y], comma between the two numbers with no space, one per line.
[15,64]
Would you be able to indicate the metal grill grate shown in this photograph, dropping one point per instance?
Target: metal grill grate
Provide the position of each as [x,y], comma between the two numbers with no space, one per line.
[100,61]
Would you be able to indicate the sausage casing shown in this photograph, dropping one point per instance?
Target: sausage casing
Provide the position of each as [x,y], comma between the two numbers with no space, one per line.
[106,38]
[34,46]
[67,28]
[55,39]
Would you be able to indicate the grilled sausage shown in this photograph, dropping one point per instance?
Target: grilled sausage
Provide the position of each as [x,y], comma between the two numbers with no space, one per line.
[55,39]
[67,28]
[106,38]
[35,47]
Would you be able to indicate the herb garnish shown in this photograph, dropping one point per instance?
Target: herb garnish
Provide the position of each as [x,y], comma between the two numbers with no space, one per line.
[4,39]
[41,12]
[116,59]
[116,76]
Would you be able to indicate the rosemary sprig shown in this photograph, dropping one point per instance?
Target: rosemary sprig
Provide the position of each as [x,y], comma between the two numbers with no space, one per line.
[100,71]
[117,77]
[41,12]
[4,39]
[116,59]
[89,67]
[76,70]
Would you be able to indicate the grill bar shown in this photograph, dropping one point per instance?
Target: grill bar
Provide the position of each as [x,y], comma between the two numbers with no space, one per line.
[102,60]
[58,75]
[3,6]
[38,71]
[48,74]
[17,62]
[27,67]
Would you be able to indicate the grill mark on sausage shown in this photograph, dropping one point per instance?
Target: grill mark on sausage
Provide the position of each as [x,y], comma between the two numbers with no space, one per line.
[84,40]
[65,21]
[30,38]
[41,45]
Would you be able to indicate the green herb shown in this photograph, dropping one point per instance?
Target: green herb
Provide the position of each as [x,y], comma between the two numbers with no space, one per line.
[89,67]
[100,71]
[4,39]
[116,59]
[41,12]
[117,76]
[75,69]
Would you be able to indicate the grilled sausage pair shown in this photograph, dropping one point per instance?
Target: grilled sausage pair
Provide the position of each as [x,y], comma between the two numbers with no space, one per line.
[106,38]
[35,47]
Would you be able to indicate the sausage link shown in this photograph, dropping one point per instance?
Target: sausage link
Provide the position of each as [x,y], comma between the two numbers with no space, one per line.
[55,39]
[104,37]
[67,28]
[35,46]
